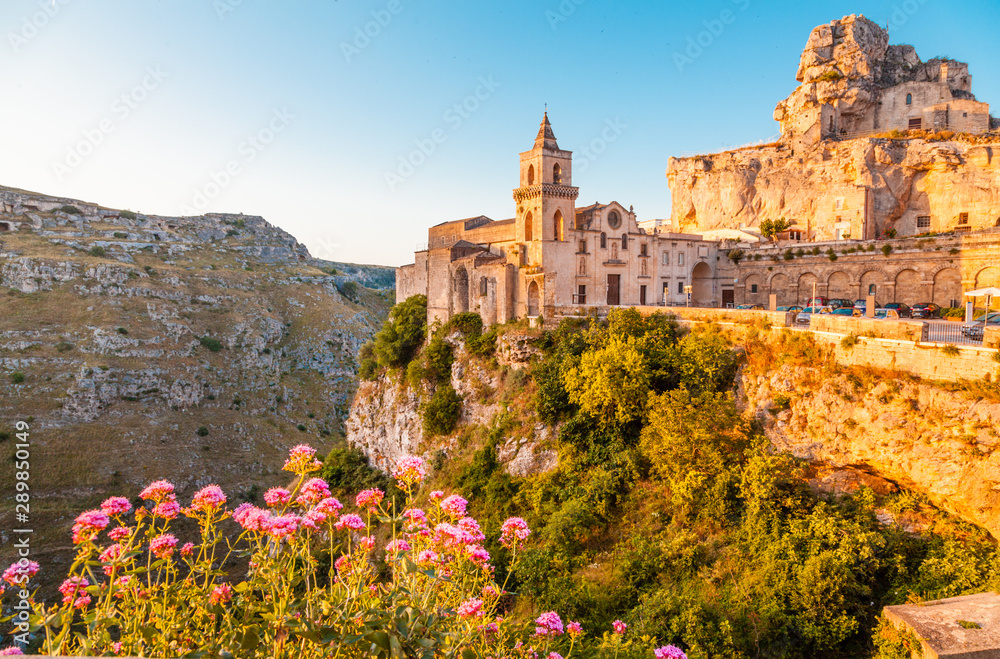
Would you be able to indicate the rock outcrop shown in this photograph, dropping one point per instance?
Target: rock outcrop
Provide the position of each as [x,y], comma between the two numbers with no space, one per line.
[937,442]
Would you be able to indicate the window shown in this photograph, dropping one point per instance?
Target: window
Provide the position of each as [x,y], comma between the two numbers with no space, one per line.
[753,288]
[871,289]
[642,250]
[680,259]
[614,219]
[642,295]
[965,114]
[556,174]
[531,174]
[909,99]
[963,218]
[838,204]
[916,124]
[666,258]
[581,294]
[624,241]
[583,246]
[604,240]
[923,221]
[483,286]
[558,224]
[528,227]
[680,288]
[666,291]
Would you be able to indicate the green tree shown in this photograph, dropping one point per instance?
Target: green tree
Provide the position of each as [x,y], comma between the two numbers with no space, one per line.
[403,333]
[771,228]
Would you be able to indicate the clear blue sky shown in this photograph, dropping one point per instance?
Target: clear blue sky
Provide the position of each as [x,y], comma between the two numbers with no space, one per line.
[200,77]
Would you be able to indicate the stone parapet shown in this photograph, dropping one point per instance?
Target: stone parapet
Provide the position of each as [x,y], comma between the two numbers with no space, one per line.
[902,330]
[966,627]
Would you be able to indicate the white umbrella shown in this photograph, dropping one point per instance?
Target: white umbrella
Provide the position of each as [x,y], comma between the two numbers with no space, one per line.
[991,291]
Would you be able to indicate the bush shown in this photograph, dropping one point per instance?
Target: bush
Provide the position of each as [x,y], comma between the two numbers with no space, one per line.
[349,289]
[886,250]
[789,254]
[951,350]
[347,469]
[397,343]
[97,250]
[214,345]
[122,331]
[849,341]
[120,236]
[202,431]
[17,377]
[70,210]
[128,215]
[64,346]
[830,254]
[442,411]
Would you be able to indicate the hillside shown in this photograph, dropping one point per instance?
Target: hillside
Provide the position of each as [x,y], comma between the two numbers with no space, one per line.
[142,347]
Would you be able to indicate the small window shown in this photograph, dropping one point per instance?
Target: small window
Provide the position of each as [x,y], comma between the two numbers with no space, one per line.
[839,204]
[614,219]
[753,288]
[642,295]
[483,286]
[680,259]
[909,99]
[666,291]
[581,294]
[642,250]
[680,288]
[923,221]
[583,246]
[965,114]
[871,289]
[556,174]
[604,240]
[916,124]
[963,218]
[531,174]
[624,241]
[666,258]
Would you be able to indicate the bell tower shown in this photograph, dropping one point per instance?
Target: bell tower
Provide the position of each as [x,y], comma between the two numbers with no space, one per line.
[546,198]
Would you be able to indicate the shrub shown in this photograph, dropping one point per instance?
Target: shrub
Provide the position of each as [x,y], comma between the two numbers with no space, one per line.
[397,343]
[890,233]
[70,210]
[349,289]
[830,254]
[830,76]
[128,215]
[97,250]
[781,402]
[951,350]
[122,331]
[789,254]
[214,345]
[816,251]
[735,255]
[886,249]
[17,377]
[121,236]
[202,431]
[849,341]
[64,346]
[149,269]
[301,428]
[442,411]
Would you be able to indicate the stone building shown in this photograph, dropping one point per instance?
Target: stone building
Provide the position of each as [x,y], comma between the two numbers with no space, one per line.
[555,259]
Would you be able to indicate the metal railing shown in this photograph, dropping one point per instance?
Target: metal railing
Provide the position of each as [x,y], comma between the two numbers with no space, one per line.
[954,333]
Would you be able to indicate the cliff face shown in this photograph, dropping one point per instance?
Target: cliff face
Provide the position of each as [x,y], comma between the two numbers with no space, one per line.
[192,349]
[842,185]
[934,441]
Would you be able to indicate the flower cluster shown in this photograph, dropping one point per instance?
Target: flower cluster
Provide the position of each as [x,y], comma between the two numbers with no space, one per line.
[669,652]
[20,572]
[208,499]
[88,525]
[514,533]
[548,624]
[301,460]
[409,471]
[74,592]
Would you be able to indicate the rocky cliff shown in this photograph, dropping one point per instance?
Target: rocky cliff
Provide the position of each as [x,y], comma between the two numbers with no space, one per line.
[141,347]
[937,442]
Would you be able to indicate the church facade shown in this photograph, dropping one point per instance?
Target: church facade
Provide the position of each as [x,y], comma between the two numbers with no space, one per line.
[554,259]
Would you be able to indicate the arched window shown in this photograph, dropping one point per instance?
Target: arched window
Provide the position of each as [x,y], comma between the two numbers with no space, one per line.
[604,240]
[531,174]
[624,241]
[909,99]
[528,227]
[556,174]
[558,222]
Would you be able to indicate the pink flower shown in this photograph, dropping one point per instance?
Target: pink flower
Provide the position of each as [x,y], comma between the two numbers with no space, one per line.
[669,652]
[221,593]
[409,471]
[116,506]
[166,509]
[574,629]
[11,651]
[343,565]
[454,505]
[277,496]
[88,525]
[162,546]
[314,491]
[478,555]
[157,491]
[116,647]
[353,522]
[415,517]
[367,543]
[514,532]
[119,533]
[370,499]
[71,590]
[208,499]
[251,517]
[437,495]
[470,608]
[300,460]
[20,572]
[619,626]
[449,535]
[187,550]
[329,506]
[490,592]
[555,655]
[397,546]
[472,530]
[548,624]
[111,555]
[427,557]
[282,526]
[312,519]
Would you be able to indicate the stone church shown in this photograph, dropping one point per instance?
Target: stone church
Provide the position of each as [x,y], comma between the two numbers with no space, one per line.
[554,259]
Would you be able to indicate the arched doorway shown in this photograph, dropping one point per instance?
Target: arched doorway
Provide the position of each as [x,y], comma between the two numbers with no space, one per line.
[782,290]
[461,296]
[871,284]
[701,285]
[529,227]
[807,283]
[947,288]
[908,287]
[534,299]
[987,277]
[559,234]
[755,293]
[839,286]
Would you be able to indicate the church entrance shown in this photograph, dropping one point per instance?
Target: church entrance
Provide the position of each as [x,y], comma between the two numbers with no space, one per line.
[533,299]
[614,286]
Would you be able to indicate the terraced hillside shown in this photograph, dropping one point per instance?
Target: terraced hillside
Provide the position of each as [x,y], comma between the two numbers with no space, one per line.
[141,347]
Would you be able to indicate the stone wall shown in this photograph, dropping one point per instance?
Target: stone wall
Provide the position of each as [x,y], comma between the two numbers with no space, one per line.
[902,330]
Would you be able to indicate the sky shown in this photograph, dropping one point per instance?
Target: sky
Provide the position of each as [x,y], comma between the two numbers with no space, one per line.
[356,124]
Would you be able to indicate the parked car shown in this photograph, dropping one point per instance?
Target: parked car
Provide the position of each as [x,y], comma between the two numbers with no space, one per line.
[840,302]
[925,310]
[886,314]
[902,309]
[975,329]
[850,312]
[793,308]
[754,307]
[818,301]
[803,317]
[860,304]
